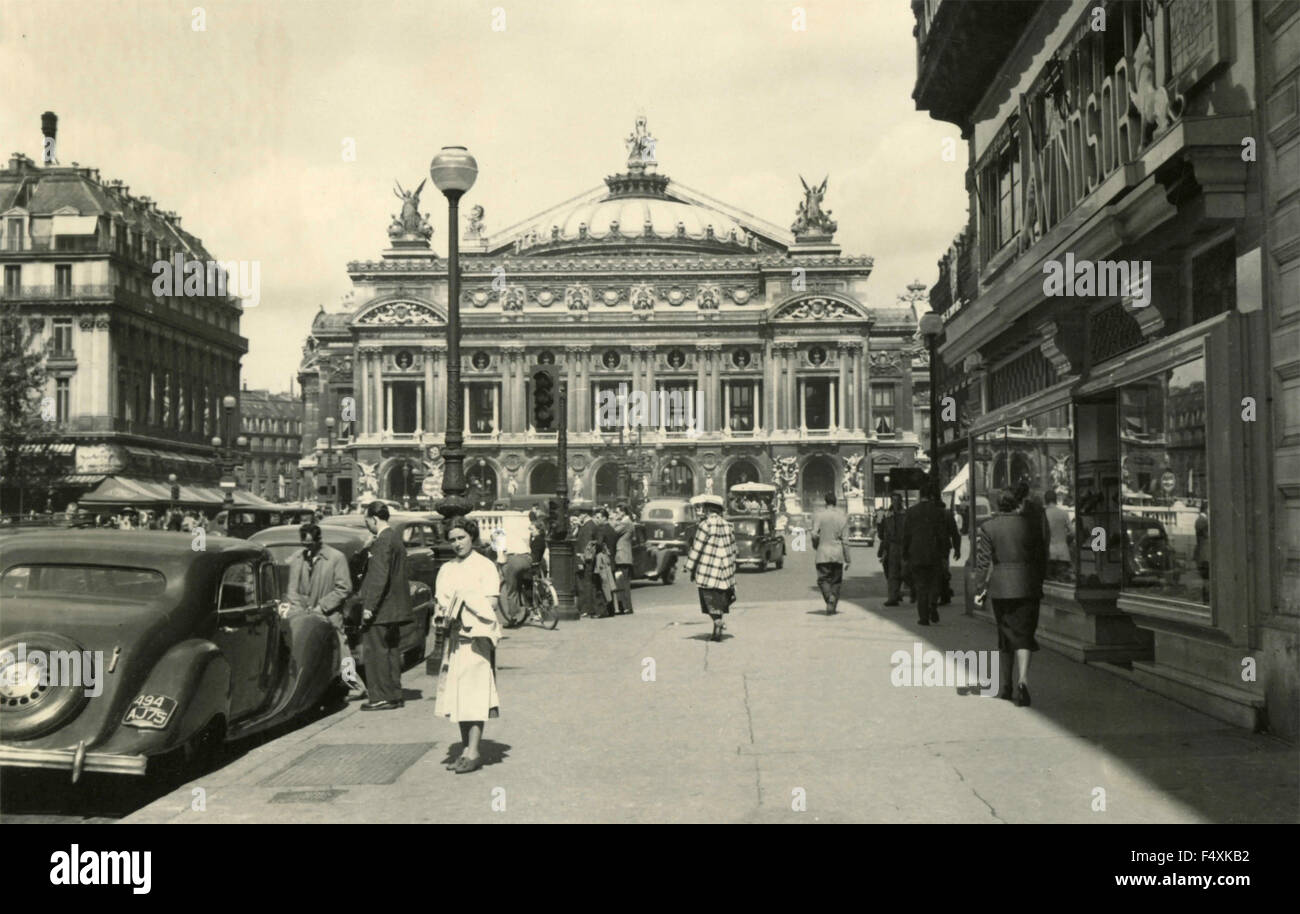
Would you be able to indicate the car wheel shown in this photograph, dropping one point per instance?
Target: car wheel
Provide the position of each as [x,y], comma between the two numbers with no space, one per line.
[28,707]
[780,562]
[669,574]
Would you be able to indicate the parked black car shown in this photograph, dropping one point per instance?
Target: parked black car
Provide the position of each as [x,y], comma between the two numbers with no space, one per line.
[186,648]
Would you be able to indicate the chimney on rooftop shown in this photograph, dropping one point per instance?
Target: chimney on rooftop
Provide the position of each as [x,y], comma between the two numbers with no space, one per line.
[49,129]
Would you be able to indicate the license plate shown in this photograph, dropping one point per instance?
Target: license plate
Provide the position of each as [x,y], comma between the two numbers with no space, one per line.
[659,534]
[150,712]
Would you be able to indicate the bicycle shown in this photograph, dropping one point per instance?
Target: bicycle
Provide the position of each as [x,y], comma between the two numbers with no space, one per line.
[544,609]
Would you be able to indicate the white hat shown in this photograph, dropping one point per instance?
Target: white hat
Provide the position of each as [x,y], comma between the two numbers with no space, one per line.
[701,500]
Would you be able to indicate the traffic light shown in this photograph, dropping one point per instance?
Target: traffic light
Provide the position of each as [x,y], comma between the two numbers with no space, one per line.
[543,397]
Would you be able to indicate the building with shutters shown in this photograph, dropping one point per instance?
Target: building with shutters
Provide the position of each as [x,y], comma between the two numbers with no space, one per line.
[135,379]
[638,285]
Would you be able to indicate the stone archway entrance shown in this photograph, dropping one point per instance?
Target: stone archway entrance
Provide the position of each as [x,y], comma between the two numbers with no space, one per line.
[607,482]
[677,479]
[482,482]
[400,482]
[544,479]
[742,471]
[818,478]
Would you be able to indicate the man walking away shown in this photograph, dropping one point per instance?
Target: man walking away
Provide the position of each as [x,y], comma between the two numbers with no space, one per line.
[954,536]
[386,607]
[890,550]
[832,558]
[319,582]
[711,562]
[622,525]
[927,536]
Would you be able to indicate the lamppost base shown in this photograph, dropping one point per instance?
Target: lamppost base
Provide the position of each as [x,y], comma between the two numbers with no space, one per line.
[564,576]
[454,506]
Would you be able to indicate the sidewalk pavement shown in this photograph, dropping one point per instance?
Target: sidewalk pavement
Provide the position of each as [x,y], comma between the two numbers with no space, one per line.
[792,718]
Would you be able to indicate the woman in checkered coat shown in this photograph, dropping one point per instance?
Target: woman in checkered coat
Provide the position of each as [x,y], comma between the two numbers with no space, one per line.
[711,562]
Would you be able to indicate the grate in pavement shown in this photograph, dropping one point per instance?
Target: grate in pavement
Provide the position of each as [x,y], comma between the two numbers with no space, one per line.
[349,763]
[306,796]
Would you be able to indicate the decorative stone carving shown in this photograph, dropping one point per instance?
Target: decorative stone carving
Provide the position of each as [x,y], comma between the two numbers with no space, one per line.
[479,298]
[642,296]
[474,227]
[852,475]
[817,309]
[885,362]
[578,300]
[512,303]
[401,314]
[676,295]
[707,297]
[543,297]
[611,296]
[87,323]
[810,221]
[741,294]
[410,225]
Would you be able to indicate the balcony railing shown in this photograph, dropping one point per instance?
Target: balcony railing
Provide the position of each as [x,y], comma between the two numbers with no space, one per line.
[58,292]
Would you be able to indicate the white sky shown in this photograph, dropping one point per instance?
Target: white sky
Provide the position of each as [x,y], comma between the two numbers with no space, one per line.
[240,128]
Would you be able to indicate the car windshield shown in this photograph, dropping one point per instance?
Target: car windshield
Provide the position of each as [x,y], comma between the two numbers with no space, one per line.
[747,527]
[88,580]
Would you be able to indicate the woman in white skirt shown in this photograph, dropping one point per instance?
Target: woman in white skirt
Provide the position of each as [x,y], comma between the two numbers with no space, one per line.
[467,594]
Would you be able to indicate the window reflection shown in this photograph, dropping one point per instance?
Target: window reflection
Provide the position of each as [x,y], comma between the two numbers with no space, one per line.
[1037,454]
[1166,515]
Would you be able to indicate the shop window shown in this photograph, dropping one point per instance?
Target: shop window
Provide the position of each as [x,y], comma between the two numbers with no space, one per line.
[1036,453]
[1164,496]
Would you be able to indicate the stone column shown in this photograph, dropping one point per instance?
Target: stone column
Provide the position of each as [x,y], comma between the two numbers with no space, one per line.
[904,393]
[571,379]
[701,354]
[769,388]
[428,355]
[583,395]
[381,395]
[388,409]
[868,420]
[793,408]
[726,409]
[842,391]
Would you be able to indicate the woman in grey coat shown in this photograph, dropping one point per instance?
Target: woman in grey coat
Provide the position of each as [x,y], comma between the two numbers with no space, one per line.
[1011,562]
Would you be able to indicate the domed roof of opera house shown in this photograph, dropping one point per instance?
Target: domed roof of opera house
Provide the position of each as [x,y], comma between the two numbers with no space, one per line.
[643,211]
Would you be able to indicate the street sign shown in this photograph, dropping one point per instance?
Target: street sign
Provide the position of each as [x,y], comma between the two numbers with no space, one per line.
[429,487]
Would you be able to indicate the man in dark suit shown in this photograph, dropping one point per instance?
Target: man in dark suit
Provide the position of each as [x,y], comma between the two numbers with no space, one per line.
[928,533]
[890,550]
[386,607]
[621,523]
[608,538]
[585,536]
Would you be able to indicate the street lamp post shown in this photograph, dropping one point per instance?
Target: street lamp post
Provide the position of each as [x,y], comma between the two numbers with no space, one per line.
[228,455]
[931,330]
[453,171]
[329,463]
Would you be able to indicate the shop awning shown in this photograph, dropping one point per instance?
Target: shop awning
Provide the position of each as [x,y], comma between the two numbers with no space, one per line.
[57,448]
[122,490]
[80,479]
[959,482]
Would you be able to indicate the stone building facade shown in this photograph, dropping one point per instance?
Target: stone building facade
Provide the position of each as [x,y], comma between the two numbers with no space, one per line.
[135,379]
[272,423]
[1161,408]
[640,285]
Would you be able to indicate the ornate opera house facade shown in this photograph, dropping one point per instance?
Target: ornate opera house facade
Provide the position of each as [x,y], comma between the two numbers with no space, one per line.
[638,285]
